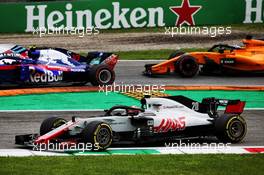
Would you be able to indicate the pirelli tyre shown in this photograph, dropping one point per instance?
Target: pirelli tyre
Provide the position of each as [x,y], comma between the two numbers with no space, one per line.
[101,75]
[186,66]
[51,123]
[99,134]
[230,128]
[176,54]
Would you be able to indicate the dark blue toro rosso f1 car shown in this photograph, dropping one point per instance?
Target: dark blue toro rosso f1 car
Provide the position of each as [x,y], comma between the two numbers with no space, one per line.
[54,66]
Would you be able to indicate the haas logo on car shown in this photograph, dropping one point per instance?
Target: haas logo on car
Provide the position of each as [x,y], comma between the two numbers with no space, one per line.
[168,124]
[46,77]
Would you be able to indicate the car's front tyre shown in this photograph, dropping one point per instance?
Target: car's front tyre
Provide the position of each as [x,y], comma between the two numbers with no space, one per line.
[99,134]
[186,66]
[51,123]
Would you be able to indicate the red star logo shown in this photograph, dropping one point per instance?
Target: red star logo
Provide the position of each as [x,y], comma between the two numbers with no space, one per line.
[185,13]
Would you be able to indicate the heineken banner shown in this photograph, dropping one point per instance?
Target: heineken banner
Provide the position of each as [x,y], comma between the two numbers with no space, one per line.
[110,14]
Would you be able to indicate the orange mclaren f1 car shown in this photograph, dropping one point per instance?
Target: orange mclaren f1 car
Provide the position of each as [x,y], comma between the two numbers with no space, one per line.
[221,58]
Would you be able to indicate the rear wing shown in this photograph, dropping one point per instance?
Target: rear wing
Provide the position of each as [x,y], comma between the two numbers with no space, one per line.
[236,108]
[232,106]
[210,105]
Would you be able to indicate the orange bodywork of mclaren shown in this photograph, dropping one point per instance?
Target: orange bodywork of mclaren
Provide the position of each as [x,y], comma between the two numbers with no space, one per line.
[248,58]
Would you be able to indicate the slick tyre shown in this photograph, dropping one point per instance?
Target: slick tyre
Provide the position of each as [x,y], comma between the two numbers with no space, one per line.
[186,66]
[51,123]
[99,134]
[101,75]
[230,128]
[176,54]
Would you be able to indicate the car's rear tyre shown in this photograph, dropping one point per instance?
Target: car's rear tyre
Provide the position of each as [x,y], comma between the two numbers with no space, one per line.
[176,54]
[101,75]
[51,123]
[230,128]
[186,66]
[99,134]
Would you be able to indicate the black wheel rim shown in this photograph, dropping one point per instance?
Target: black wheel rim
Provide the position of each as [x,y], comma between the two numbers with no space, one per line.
[103,137]
[236,129]
[105,76]
[189,65]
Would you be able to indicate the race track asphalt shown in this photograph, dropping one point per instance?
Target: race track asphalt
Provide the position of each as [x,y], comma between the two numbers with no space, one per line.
[130,72]
[14,123]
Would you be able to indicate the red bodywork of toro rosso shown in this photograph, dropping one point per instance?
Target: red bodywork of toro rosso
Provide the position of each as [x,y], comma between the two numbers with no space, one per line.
[54,66]
[221,58]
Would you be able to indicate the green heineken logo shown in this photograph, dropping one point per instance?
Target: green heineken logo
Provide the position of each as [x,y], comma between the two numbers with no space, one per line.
[100,14]
[114,17]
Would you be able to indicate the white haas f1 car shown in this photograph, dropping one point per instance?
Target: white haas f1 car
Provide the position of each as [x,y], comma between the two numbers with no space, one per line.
[158,119]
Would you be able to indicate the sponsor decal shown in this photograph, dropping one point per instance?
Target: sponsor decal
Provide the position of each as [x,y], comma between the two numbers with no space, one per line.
[173,106]
[254,11]
[46,77]
[115,17]
[169,124]
[77,70]
[9,54]
[227,61]
[7,61]
[185,13]
[58,68]
[81,18]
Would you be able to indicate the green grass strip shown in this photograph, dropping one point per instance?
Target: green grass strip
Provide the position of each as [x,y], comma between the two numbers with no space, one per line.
[96,100]
[64,101]
[160,54]
[135,165]
[152,54]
